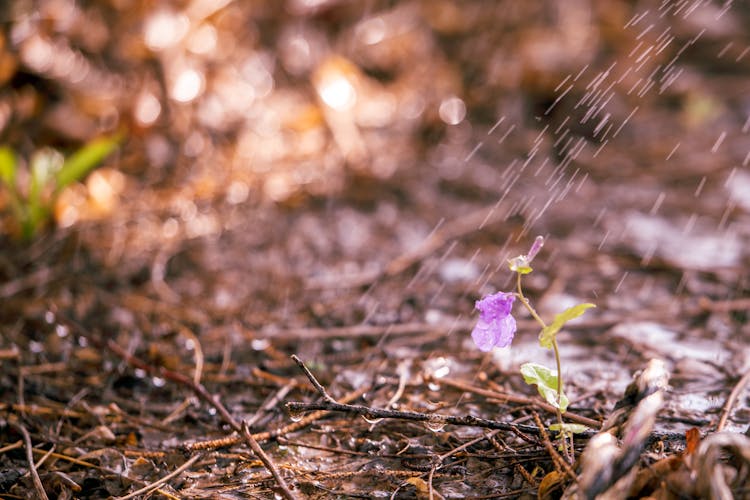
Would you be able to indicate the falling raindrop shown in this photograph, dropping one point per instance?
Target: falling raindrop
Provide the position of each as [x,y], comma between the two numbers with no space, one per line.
[718,142]
[622,280]
[699,189]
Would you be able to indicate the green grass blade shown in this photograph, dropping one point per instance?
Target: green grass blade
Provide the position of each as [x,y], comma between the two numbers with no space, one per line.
[80,163]
[8,167]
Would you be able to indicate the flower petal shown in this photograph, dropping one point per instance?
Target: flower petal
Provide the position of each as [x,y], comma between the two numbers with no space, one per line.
[483,335]
[495,306]
[535,247]
[497,333]
[506,329]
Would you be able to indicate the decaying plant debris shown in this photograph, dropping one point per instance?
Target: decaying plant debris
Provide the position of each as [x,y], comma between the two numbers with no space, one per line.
[253,213]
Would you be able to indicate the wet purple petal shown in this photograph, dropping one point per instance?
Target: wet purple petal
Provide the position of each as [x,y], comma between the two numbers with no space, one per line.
[535,247]
[496,326]
[498,333]
[495,306]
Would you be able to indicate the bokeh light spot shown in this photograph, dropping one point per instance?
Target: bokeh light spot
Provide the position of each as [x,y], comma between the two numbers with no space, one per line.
[165,29]
[452,110]
[147,108]
[187,86]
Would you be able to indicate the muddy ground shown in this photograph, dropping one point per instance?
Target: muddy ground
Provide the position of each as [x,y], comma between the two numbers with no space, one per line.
[342,181]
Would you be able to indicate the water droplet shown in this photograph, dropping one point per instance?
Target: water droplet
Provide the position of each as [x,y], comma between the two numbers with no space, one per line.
[435,425]
[62,331]
[158,381]
[259,344]
[295,416]
[370,420]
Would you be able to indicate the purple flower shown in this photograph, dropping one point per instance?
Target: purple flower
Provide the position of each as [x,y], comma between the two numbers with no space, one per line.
[522,263]
[496,326]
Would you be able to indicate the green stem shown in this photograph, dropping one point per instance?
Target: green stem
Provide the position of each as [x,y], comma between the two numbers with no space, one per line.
[526,304]
[556,350]
[559,372]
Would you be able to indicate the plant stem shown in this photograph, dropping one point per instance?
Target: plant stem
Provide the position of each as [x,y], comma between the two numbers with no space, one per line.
[556,350]
[526,304]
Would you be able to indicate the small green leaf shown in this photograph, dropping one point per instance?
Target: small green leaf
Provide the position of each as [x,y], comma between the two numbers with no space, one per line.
[84,160]
[569,428]
[545,380]
[8,166]
[547,335]
[45,163]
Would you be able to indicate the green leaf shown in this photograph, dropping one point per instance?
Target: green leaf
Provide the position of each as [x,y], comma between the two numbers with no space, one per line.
[45,163]
[84,160]
[547,335]
[8,166]
[569,428]
[545,380]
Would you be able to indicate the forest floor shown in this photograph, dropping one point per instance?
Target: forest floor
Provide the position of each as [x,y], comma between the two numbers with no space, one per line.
[342,183]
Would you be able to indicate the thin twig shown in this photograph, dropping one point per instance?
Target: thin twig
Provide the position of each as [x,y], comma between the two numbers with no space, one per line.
[228,441]
[731,400]
[375,413]
[197,388]
[197,374]
[318,387]
[271,402]
[286,492]
[528,477]
[155,485]
[204,395]
[438,461]
[30,458]
[12,446]
[707,304]
[556,458]
[524,400]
